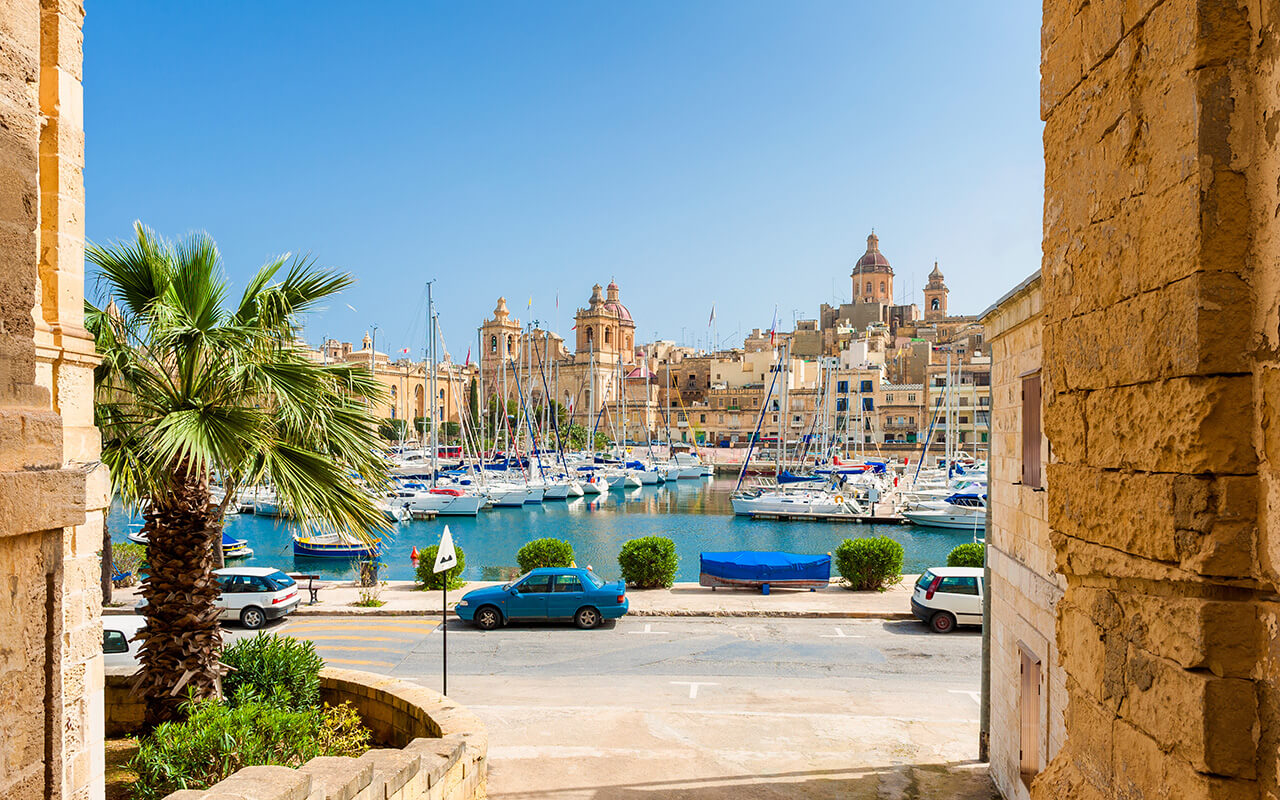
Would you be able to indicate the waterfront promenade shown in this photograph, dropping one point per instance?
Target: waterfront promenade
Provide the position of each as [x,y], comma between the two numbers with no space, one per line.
[401,598]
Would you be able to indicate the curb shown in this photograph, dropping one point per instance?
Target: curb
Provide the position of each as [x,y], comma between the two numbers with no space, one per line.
[350,611]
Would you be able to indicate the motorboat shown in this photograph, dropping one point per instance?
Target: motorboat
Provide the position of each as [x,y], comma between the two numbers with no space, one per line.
[623,479]
[796,503]
[960,511]
[231,546]
[764,570]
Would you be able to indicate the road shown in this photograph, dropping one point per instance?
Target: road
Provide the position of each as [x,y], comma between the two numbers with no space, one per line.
[699,708]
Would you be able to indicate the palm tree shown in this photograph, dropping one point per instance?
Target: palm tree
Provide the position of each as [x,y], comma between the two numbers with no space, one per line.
[190,388]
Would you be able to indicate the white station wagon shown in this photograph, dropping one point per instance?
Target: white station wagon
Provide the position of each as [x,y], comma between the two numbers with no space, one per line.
[948,596]
[254,595]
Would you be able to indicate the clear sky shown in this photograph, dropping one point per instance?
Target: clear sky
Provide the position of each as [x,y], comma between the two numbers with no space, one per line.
[712,151]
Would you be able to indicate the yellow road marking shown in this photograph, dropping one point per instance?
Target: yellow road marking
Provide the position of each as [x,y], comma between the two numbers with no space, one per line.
[304,635]
[377,626]
[361,649]
[362,663]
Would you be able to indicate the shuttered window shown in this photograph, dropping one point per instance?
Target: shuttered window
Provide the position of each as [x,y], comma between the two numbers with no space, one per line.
[1031,431]
[1029,715]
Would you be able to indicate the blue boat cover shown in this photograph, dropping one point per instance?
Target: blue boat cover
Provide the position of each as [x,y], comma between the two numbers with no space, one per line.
[786,476]
[747,565]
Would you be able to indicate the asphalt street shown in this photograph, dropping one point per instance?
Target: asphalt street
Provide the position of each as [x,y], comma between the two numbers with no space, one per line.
[696,707]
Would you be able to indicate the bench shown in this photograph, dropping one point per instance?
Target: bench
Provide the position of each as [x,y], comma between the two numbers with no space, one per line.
[311,584]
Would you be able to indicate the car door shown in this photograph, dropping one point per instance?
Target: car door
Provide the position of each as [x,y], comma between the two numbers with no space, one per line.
[961,598]
[566,597]
[530,599]
[235,589]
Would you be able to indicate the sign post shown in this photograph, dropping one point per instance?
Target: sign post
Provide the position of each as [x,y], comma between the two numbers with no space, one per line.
[446,559]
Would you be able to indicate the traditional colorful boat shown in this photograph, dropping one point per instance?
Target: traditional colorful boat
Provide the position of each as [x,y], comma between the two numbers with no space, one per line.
[334,545]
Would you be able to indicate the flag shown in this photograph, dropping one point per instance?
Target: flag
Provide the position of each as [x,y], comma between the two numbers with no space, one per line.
[574,328]
[530,301]
[713,315]
[468,363]
[557,301]
[773,329]
[406,350]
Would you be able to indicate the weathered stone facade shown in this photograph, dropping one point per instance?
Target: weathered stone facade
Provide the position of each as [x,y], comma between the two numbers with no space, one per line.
[52,492]
[1161,333]
[1025,586]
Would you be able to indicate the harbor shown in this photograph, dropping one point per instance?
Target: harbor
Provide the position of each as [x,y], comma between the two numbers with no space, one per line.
[695,514]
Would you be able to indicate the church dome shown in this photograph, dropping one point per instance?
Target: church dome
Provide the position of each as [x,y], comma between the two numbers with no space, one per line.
[614,305]
[873,257]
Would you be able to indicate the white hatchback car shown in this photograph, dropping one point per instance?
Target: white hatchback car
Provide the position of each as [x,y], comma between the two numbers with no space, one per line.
[254,595]
[118,646]
[948,596]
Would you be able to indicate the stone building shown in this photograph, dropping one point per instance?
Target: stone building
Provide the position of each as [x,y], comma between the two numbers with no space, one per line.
[935,296]
[606,369]
[1028,684]
[53,491]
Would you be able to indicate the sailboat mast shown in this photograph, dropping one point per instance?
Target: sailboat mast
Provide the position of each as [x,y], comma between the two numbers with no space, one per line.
[431,351]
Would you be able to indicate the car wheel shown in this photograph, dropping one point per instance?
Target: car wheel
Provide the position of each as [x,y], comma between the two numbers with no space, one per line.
[487,618]
[943,622]
[587,618]
[252,618]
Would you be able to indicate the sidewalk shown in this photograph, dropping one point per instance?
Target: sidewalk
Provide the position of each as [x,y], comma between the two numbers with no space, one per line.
[681,600]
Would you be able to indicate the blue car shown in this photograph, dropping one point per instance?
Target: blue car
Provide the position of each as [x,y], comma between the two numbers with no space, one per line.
[546,593]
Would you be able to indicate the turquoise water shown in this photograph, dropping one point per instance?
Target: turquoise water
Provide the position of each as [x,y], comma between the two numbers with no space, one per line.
[695,514]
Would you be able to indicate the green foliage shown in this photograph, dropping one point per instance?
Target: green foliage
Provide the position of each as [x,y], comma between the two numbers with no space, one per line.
[545,553]
[436,580]
[393,430]
[127,557]
[873,563]
[278,670]
[649,562]
[972,554]
[215,740]
[451,430]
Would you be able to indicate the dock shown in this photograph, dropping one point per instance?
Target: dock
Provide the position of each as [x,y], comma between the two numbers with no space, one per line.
[855,519]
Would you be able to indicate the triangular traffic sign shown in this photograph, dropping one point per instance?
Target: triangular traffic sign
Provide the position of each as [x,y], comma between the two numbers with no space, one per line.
[446,558]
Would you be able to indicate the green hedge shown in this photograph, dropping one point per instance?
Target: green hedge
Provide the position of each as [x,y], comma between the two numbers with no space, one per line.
[215,740]
[436,580]
[545,553]
[972,554]
[129,557]
[870,563]
[649,562]
[278,670]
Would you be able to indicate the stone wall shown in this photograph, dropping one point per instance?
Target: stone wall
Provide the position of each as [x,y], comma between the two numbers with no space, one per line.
[51,494]
[1025,584]
[1161,293]
[434,748]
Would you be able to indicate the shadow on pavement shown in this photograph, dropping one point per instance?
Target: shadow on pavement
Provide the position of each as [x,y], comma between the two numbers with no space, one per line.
[964,780]
[911,627]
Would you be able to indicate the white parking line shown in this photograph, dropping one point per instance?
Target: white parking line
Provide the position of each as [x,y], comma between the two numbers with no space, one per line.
[839,634]
[693,686]
[977,697]
[648,628]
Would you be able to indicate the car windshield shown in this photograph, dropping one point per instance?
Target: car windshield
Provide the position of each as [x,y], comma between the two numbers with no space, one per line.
[280,580]
[514,581]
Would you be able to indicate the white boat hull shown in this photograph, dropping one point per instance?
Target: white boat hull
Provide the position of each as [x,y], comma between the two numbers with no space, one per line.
[938,519]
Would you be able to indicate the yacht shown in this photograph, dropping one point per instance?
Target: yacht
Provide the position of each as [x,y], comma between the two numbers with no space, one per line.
[964,511]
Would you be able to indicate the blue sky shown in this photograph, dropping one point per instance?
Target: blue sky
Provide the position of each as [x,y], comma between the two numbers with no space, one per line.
[734,151]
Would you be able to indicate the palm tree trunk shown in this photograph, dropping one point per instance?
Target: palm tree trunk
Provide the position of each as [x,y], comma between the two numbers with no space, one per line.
[181,640]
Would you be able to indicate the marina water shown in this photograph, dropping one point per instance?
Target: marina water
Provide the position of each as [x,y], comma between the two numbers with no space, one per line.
[696,515]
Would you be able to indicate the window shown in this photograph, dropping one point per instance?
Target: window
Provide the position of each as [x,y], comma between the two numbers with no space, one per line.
[842,387]
[493,344]
[608,335]
[510,344]
[888,398]
[114,642]
[984,400]
[1028,715]
[535,584]
[958,585]
[1031,431]
[842,404]
[881,287]
[567,583]
[702,418]
[964,419]
[866,386]
[964,401]
[911,398]
[868,287]
[933,304]
[591,335]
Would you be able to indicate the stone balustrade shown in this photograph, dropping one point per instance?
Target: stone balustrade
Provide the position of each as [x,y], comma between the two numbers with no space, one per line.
[435,748]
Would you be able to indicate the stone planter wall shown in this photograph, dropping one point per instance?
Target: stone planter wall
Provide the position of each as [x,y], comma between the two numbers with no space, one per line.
[437,750]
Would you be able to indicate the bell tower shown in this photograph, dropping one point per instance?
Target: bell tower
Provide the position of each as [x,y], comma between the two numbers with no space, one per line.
[935,296]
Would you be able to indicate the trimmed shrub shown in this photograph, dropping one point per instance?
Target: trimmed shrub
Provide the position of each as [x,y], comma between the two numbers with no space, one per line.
[873,563]
[972,554]
[277,670]
[215,740]
[545,553]
[437,580]
[649,562]
[128,557]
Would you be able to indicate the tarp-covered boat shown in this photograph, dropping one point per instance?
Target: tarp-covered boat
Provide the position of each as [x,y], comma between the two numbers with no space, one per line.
[751,569]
